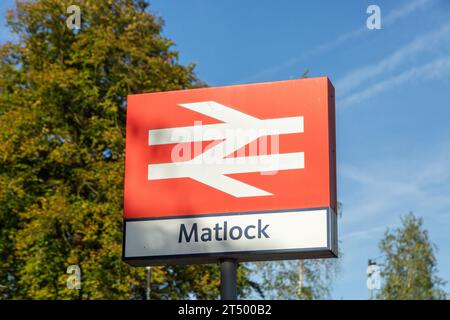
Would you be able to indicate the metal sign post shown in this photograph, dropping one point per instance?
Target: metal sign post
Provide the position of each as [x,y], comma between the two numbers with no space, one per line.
[149,274]
[228,279]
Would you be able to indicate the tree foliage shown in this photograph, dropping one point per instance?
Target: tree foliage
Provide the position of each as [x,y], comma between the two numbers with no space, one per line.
[62,122]
[410,270]
[308,279]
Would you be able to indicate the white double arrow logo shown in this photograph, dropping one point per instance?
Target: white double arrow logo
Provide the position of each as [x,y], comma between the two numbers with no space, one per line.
[234,123]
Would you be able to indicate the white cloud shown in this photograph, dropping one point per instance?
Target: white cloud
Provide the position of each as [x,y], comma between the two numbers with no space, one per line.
[433,70]
[386,188]
[404,11]
[428,42]
[365,233]
[392,17]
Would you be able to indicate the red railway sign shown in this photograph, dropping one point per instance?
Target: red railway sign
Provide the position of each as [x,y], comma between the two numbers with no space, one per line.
[245,171]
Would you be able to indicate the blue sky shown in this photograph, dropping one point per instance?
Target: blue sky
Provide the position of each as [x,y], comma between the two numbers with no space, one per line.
[393,92]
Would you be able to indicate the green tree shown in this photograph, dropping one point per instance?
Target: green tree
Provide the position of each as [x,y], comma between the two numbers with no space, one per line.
[410,270]
[296,279]
[62,122]
[308,279]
